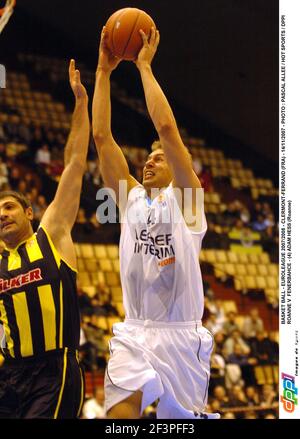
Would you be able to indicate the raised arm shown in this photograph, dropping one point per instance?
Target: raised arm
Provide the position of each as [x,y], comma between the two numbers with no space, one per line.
[113,165]
[162,116]
[60,216]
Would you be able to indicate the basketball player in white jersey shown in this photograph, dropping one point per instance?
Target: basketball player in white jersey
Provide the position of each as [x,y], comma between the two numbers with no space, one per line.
[161,351]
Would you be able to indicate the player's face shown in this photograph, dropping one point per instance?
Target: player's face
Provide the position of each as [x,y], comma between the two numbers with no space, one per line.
[14,221]
[156,173]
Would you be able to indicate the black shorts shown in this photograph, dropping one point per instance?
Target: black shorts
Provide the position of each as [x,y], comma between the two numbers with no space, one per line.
[51,387]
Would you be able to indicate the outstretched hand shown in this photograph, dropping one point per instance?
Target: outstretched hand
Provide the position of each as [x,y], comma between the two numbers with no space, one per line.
[149,48]
[107,61]
[75,82]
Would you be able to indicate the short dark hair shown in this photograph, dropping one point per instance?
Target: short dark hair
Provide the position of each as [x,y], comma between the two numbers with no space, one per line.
[25,203]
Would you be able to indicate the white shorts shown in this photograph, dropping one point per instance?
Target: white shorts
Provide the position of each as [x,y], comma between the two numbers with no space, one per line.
[164,360]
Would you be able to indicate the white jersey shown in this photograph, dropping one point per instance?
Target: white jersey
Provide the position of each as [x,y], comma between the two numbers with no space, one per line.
[159,260]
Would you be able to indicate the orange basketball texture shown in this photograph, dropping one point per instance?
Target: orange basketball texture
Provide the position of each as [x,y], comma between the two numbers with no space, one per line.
[124,39]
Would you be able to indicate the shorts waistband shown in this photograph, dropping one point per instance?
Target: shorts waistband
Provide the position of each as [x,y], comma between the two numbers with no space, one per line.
[160,324]
[34,358]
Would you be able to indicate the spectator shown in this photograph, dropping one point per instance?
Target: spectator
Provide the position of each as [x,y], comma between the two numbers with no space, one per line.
[260,348]
[232,340]
[212,323]
[39,207]
[22,187]
[214,406]
[266,209]
[94,336]
[102,302]
[34,193]
[29,179]
[94,407]
[232,213]
[237,397]
[240,234]
[230,324]
[217,307]
[220,395]
[270,220]
[252,324]
[217,370]
[252,396]
[14,178]
[90,338]
[219,342]
[245,216]
[256,211]
[268,396]
[259,225]
[85,304]
[239,366]
[43,156]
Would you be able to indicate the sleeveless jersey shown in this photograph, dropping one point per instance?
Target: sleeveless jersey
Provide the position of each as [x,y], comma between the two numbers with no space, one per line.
[39,308]
[159,260]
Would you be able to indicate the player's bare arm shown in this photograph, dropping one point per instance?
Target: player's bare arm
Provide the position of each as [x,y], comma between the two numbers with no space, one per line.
[60,216]
[113,165]
[162,116]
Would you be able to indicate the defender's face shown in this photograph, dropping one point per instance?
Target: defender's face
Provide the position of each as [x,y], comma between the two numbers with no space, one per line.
[13,219]
[156,173]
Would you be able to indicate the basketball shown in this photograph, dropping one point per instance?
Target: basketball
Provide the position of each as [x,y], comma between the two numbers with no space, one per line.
[124,39]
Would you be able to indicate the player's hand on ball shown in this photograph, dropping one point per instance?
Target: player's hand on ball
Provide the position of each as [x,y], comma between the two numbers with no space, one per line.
[149,48]
[75,82]
[107,61]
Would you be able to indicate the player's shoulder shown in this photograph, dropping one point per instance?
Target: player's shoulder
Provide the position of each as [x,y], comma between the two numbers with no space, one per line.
[136,191]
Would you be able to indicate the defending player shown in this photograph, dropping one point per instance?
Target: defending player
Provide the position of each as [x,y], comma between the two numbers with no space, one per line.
[41,377]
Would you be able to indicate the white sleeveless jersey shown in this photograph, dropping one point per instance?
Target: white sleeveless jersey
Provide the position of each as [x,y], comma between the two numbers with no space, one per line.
[159,260]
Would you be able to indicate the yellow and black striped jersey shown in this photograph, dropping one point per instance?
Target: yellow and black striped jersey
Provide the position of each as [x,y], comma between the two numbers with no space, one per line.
[38,299]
